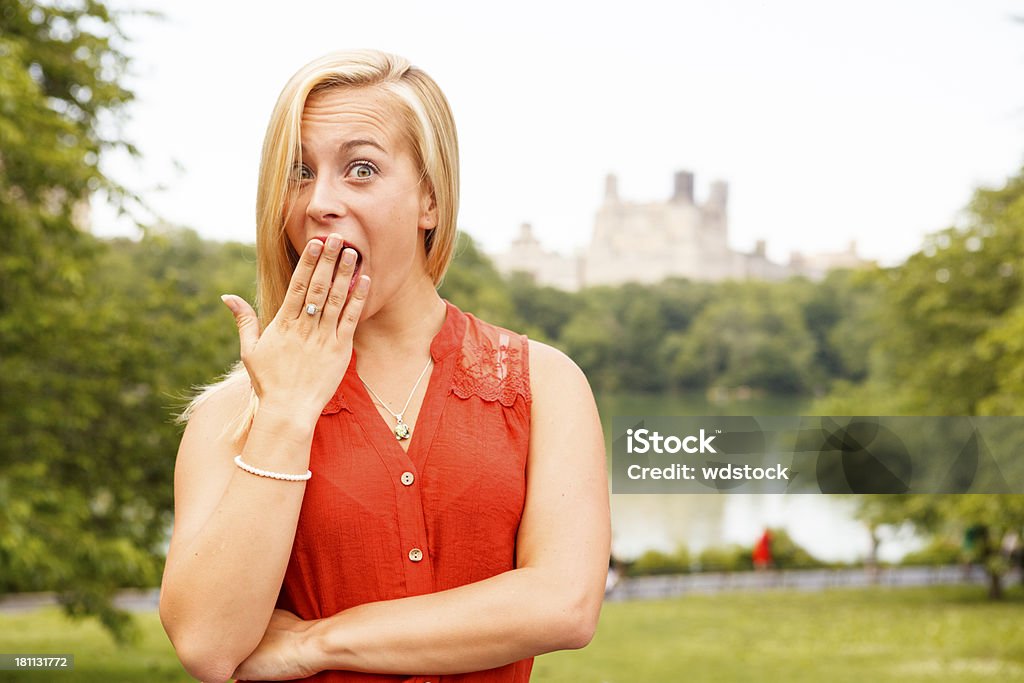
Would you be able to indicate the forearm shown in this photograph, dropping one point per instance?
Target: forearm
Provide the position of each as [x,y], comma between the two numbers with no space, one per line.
[221,588]
[517,614]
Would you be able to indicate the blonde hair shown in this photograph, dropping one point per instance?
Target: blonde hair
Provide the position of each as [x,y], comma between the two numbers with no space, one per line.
[428,125]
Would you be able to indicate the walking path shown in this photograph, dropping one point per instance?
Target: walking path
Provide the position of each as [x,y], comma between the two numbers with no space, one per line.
[133,600]
[654,587]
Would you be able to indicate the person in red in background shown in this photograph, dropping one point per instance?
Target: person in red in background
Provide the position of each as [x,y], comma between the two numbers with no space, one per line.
[763,551]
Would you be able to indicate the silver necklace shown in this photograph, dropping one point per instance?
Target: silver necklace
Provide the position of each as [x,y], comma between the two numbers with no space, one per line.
[402,430]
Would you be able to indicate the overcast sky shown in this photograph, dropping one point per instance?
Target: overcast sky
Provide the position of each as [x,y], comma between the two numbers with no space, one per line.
[830,121]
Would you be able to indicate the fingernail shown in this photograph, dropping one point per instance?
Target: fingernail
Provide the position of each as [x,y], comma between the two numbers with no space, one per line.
[315,246]
[362,285]
[333,242]
[348,257]
[226,298]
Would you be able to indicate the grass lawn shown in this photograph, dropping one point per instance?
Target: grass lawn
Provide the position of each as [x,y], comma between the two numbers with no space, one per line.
[912,634]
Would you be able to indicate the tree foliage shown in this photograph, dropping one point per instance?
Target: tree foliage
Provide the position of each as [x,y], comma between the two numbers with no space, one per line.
[750,334]
[87,470]
[69,517]
[475,284]
[950,326]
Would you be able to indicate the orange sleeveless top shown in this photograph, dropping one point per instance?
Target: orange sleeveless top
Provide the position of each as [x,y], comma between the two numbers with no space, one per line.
[379,523]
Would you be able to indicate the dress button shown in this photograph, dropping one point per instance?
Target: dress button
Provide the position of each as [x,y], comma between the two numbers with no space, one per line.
[415,554]
[408,478]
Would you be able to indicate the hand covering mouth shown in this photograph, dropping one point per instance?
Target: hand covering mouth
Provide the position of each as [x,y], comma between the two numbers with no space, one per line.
[344,245]
[359,259]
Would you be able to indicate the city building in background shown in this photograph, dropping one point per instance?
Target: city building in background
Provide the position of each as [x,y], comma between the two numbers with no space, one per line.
[647,242]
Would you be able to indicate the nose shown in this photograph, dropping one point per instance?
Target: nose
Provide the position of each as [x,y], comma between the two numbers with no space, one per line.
[326,204]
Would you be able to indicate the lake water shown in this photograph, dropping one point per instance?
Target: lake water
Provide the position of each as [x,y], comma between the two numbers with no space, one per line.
[824,525]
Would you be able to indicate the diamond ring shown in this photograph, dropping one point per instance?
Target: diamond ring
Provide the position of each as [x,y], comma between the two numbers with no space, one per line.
[311,309]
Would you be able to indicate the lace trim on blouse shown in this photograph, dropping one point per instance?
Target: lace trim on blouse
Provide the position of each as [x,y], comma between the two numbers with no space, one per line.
[494,370]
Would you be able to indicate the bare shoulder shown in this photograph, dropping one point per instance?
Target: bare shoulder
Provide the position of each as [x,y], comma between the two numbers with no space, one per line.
[555,377]
[220,406]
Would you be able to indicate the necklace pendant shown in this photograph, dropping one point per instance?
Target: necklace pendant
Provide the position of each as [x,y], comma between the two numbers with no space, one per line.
[402,430]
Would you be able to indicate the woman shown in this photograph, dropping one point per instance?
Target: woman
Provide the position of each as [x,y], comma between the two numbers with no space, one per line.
[438,511]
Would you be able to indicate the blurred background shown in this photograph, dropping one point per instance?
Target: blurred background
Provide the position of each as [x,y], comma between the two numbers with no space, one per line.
[741,208]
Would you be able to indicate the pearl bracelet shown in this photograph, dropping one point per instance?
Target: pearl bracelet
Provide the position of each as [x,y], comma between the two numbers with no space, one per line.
[272,475]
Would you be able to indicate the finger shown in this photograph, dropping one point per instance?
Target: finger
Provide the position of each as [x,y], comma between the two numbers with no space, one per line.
[354,308]
[295,299]
[320,282]
[339,288]
[245,318]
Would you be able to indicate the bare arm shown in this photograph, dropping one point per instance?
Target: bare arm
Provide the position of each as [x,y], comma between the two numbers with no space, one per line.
[233,531]
[550,601]
[232,536]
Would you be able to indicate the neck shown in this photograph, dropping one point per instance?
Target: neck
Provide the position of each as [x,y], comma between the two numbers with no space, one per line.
[403,328]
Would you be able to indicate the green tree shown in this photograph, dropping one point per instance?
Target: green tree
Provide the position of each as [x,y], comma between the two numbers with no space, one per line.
[947,516]
[788,554]
[473,284]
[91,494]
[657,562]
[67,520]
[543,310]
[840,313]
[92,350]
[638,355]
[952,321]
[749,334]
[589,338]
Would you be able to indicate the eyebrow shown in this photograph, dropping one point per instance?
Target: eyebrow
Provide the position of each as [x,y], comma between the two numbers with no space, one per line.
[361,142]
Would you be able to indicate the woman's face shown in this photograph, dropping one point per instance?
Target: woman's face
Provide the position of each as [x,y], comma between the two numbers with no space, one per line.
[357,177]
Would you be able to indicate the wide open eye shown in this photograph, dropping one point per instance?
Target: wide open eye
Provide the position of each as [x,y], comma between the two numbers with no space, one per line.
[362,170]
[301,173]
